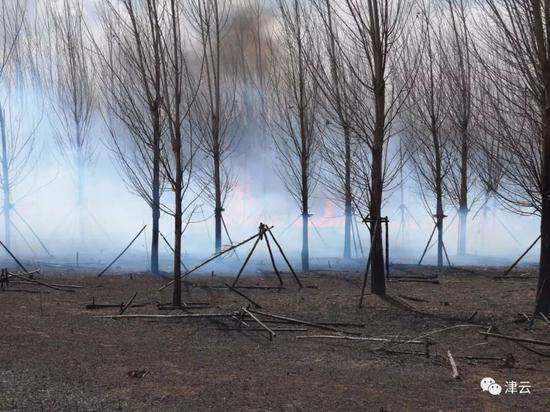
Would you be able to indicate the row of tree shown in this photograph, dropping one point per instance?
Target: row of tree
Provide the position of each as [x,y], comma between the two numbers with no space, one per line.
[349,91]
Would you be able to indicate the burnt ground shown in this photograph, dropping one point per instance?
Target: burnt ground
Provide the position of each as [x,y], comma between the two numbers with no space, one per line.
[57,355]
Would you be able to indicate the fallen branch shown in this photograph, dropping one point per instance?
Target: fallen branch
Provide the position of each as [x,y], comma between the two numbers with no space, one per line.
[263,330]
[413,298]
[397,277]
[545,355]
[29,282]
[453,365]
[435,282]
[184,315]
[434,332]
[184,306]
[24,273]
[94,306]
[515,339]
[301,322]
[259,322]
[341,324]
[361,338]
[41,283]
[22,291]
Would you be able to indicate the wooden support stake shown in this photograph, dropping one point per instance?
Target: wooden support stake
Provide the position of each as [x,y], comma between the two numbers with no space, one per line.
[121,253]
[273,259]
[123,308]
[285,259]
[173,251]
[368,266]
[210,259]
[427,245]
[13,257]
[248,258]
[521,257]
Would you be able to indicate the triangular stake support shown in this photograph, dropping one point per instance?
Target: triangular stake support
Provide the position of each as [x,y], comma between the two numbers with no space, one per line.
[263,232]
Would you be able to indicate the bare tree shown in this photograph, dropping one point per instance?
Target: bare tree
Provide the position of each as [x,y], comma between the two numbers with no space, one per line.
[132,72]
[460,89]
[294,95]
[374,48]
[180,85]
[72,92]
[333,79]
[216,106]
[12,18]
[516,58]
[428,144]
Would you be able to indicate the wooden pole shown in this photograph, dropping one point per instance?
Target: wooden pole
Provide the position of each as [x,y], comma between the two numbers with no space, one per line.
[248,257]
[521,257]
[273,259]
[300,322]
[217,255]
[179,316]
[259,322]
[121,253]
[514,339]
[285,258]
[427,245]
[123,308]
[368,265]
[13,256]
[173,251]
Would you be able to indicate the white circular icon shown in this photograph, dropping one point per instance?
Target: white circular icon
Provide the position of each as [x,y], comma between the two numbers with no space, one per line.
[486,382]
[495,389]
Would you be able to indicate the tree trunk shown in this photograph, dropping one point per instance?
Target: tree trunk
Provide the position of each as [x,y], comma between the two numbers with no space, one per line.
[439,222]
[305,242]
[438,194]
[378,280]
[463,198]
[347,196]
[155,204]
[176,300]
[80,191]
[5,181]
[218,208]
[543,287]
[462,230]
[347,232]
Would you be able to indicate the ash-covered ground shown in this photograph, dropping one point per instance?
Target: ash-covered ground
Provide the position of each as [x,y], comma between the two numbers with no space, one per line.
[55,354]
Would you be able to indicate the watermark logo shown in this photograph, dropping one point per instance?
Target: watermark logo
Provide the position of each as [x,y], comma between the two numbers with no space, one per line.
[488,384]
